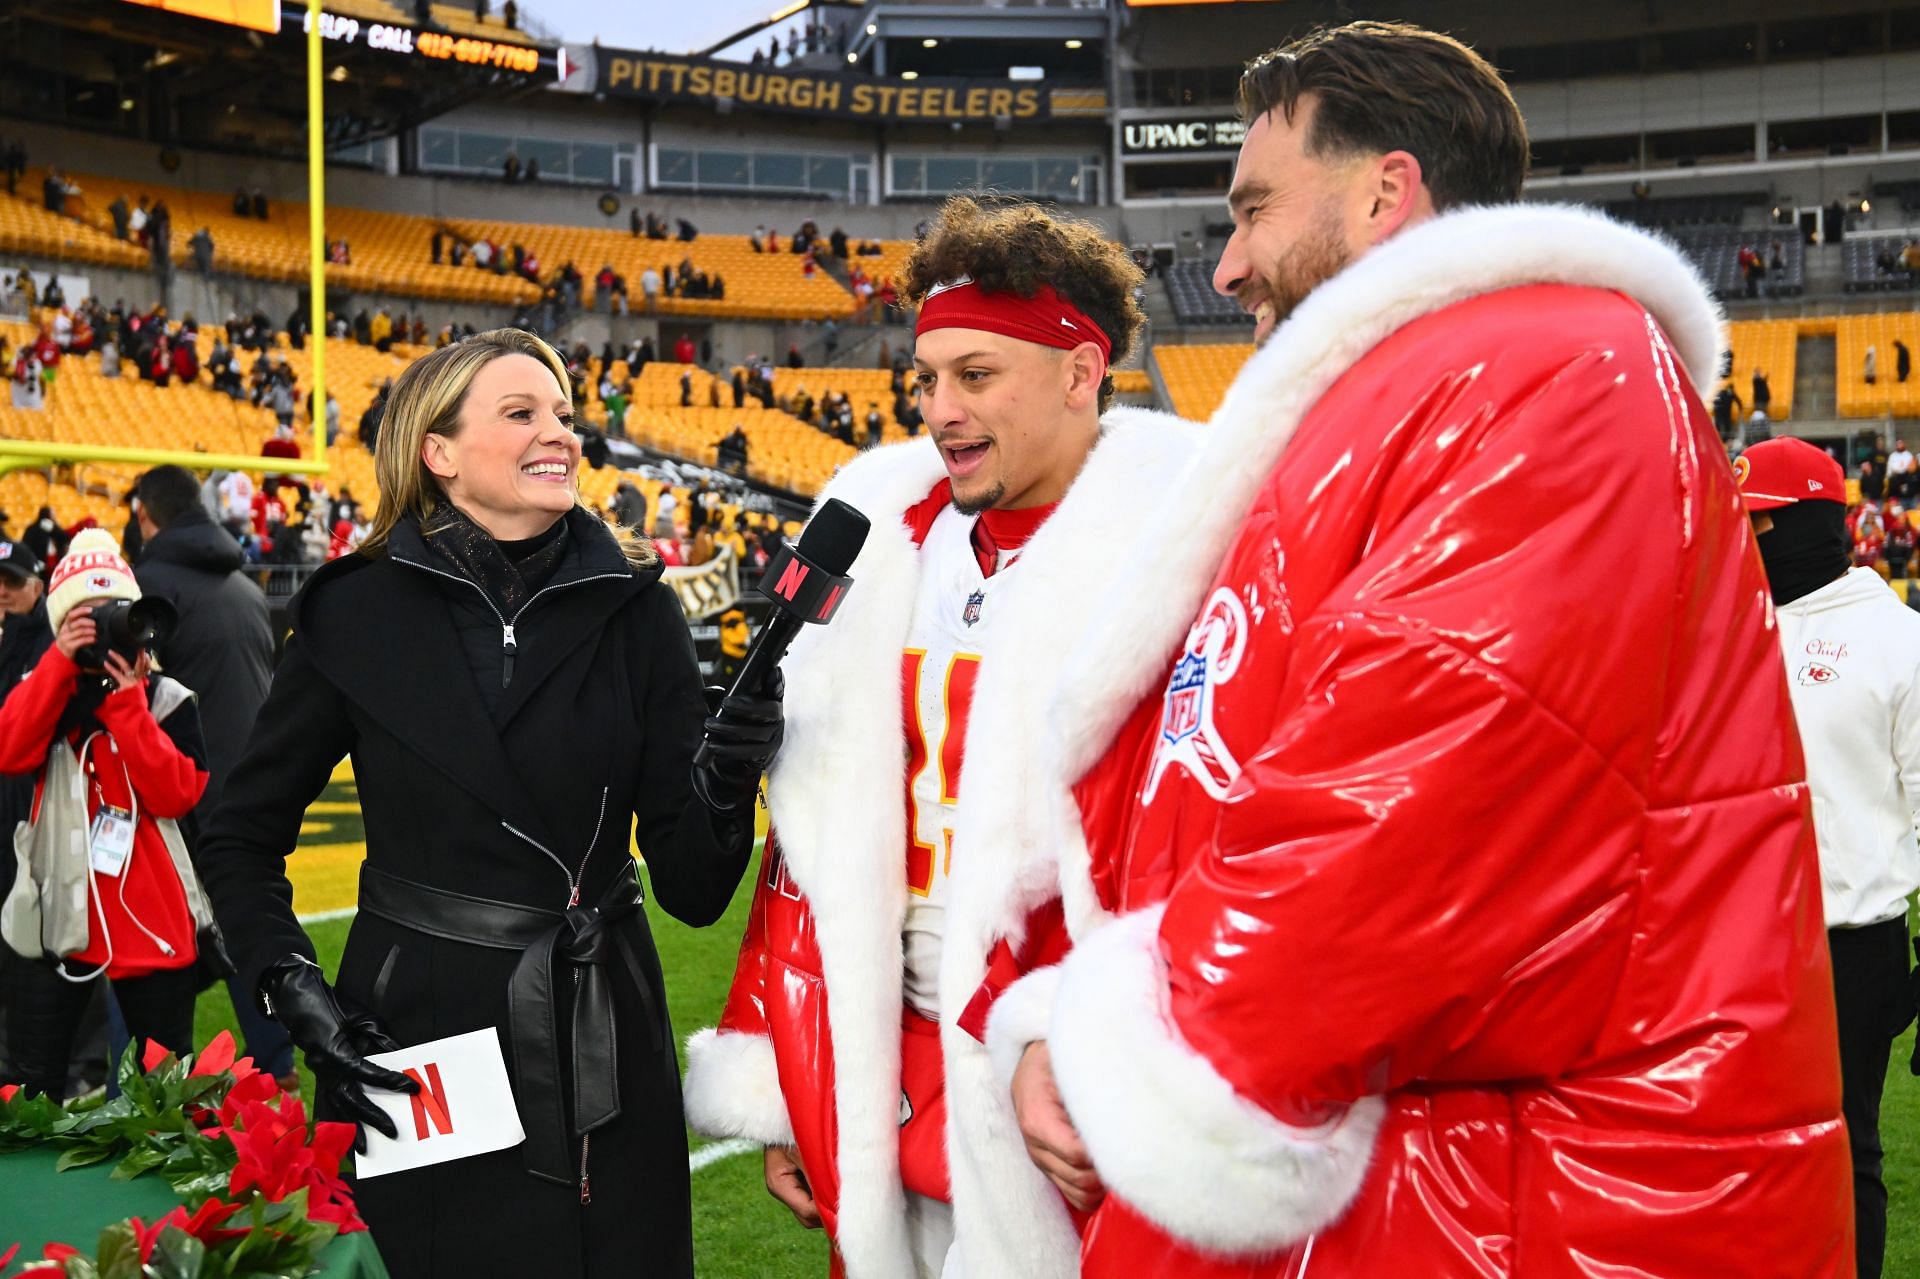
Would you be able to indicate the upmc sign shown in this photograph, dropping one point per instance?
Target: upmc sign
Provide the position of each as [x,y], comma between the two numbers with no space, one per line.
[1162,137]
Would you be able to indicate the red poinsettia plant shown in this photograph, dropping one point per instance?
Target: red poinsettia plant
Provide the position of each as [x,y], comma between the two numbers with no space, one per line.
[260,1187]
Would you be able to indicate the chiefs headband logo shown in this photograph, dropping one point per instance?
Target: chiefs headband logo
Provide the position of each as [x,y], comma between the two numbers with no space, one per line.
[1741,468]
[1188,735]
[947,286]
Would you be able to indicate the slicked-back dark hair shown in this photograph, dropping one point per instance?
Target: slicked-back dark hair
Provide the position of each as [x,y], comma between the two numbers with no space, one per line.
[1016,246]
[1392,86]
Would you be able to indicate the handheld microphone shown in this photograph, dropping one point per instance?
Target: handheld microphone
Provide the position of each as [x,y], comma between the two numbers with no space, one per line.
[806,581]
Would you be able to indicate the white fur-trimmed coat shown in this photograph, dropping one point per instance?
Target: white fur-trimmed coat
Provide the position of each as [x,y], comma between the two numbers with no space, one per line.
[844,736]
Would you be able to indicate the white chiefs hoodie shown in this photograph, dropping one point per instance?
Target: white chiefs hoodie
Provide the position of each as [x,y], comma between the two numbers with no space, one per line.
[1853,669]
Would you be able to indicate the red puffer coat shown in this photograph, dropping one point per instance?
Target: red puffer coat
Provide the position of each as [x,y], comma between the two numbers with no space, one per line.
[1466,916]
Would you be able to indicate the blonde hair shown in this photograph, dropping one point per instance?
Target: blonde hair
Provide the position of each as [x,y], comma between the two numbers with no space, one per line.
[426,400]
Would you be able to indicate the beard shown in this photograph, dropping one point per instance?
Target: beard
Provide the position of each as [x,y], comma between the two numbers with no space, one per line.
[1316,257]
[984,501]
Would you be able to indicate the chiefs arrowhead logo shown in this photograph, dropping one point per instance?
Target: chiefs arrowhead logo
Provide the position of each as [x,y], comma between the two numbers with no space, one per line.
[1817,673]
[1741,469]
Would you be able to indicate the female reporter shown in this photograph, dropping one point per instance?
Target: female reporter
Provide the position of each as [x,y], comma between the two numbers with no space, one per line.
[517,690]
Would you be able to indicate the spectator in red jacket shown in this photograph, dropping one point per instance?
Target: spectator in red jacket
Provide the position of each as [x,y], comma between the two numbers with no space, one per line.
[135,738]
[683,349]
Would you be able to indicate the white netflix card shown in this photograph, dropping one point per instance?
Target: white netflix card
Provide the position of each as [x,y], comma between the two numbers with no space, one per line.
[464,1106]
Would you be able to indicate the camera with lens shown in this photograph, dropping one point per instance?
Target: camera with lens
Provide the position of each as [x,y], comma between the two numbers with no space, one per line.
[126,627]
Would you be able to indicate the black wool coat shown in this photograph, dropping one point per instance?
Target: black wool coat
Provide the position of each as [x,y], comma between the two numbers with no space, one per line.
[511,796]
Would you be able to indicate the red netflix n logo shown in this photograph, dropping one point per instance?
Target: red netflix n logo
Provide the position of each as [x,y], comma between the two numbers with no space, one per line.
[791,580]
[430,1101]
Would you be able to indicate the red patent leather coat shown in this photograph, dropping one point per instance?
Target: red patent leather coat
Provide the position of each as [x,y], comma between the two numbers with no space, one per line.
[1466,919]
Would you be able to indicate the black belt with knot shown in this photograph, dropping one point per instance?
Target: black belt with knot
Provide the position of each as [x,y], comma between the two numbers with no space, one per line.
[585,937]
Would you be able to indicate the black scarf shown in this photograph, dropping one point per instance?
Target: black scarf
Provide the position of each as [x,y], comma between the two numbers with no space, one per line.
[1807,548]
[509,572]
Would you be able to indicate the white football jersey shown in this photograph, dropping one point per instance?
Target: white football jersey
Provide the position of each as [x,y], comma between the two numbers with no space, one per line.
[939,667]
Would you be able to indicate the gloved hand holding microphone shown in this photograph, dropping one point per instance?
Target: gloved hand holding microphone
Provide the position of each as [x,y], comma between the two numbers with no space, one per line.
[807,582]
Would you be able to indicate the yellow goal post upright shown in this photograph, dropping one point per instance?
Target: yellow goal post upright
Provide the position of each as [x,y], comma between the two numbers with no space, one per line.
[16,455]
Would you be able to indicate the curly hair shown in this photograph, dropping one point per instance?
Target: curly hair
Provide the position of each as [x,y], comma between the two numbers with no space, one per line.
[1017,246]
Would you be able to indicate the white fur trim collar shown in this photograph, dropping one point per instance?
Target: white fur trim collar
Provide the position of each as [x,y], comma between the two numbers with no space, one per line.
[1445,260]
[844,733]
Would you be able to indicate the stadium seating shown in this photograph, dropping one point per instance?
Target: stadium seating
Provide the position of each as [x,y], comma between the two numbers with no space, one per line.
[1771,346]
[1197,377]
[1718,209]
[1190,285]
[767,285]
[1864,272]
[390,251]
[26,226]
[1715,250]
[1887,396]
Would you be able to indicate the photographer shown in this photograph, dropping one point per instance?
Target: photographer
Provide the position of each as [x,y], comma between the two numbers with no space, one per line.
[134,740]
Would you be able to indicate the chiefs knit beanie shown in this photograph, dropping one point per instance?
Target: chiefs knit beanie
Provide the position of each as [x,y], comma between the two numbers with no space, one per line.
[91,569]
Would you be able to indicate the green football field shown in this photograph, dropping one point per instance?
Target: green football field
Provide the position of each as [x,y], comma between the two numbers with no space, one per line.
[739,1231]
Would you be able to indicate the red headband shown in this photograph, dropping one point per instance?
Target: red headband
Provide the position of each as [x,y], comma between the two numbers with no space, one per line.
[1046,317]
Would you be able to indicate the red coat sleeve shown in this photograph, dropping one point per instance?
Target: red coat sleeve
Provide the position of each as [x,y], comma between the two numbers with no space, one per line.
[733,1075]
[746,1007]
[30,711]
[167,780]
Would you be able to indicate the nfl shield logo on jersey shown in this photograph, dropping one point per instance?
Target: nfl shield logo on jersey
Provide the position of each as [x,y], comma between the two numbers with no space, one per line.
[1189,739]
[971,613]
[1185,693]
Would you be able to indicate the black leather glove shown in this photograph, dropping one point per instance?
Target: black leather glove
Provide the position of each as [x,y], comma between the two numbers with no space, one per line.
[743,735]
[335,1041]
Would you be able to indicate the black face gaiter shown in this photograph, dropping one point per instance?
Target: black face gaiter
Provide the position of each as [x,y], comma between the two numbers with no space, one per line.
[1806,548]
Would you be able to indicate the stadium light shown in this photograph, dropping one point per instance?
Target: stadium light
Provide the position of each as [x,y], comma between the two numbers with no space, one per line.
[909,75]
[872,30]
[853,57]
[1073,44]
[929,43]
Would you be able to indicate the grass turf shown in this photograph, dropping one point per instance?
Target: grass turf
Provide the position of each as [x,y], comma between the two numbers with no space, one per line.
[740,1232]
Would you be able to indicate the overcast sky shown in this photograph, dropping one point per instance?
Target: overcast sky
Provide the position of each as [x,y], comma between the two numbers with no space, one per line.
[672,26]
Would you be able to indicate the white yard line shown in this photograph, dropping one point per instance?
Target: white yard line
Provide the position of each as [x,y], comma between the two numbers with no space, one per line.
[328,916]
[719,1150]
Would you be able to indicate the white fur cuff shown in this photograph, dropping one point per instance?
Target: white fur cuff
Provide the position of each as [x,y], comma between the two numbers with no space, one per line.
[1019,1017]
[1167,1133]
[733,1088]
